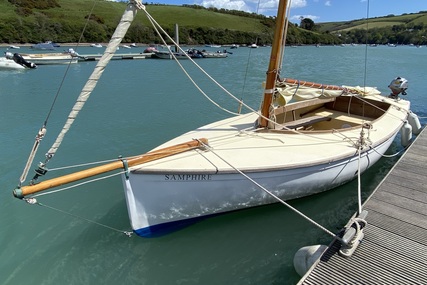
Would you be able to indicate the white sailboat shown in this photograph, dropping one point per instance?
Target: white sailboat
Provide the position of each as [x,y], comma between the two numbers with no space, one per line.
[290,148]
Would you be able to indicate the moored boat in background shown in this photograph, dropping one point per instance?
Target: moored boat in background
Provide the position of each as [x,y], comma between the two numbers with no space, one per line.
[15,62]
[66,57]
[48,45]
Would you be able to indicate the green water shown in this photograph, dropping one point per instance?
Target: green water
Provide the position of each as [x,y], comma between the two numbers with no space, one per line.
[137,105]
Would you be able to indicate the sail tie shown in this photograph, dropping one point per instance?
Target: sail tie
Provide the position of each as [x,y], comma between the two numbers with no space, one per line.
[40,135]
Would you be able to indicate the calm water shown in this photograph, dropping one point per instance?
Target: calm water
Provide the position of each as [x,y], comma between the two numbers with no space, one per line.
[137,105]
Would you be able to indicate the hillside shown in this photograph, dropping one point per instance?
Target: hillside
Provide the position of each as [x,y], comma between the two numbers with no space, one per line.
[32,21]
[378,22]
[64,22]
[403,29]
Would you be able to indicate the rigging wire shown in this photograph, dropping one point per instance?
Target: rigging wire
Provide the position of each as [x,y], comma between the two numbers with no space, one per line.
[271,194]
[69,64]
[239,108]
[366,45]
[42,132]
[157,27]
[33,201]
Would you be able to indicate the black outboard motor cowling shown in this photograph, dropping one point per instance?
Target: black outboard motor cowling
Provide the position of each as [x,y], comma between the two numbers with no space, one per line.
[20,60]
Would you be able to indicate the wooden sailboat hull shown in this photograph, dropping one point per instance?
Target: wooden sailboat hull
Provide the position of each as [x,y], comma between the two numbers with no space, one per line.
[197,184]
[159,203]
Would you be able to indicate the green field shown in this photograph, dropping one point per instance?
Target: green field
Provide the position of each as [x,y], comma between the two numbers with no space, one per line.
[74,11]
[380,22]
[24,23]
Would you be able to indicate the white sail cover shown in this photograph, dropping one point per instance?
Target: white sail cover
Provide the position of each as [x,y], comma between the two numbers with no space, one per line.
[111,48]
[287,92]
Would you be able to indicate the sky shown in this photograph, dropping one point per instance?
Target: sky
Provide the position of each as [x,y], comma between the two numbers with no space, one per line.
[318,10]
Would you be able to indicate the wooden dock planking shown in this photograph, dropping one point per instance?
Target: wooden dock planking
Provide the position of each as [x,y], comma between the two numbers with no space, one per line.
[117,56]
[394,249]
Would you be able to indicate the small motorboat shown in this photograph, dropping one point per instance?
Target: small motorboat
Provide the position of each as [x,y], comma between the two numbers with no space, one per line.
[15,62]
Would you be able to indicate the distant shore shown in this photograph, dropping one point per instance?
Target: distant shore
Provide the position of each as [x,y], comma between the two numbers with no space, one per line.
[62,44]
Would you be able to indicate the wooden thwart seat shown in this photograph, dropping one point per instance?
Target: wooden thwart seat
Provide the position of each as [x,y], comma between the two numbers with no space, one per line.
[303,122]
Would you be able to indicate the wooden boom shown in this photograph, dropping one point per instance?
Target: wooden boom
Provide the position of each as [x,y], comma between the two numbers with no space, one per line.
[132,161]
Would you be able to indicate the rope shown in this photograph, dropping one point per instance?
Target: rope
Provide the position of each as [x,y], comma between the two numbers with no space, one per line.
[272,195]
[43,129]
[157,25]
[391,155]
[33,201]
[90,85]
[359,187]
[366,45]
[391,103]
[82,164]
[33,152]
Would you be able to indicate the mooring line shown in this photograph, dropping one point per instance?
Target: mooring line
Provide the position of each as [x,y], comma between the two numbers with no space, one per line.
[273,195]
[34,201]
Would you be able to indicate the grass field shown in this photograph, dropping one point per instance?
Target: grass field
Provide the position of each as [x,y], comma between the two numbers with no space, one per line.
[416,18]
[166,15]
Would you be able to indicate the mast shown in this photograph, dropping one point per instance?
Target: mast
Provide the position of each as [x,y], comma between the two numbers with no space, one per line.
[273,67]
[176,38]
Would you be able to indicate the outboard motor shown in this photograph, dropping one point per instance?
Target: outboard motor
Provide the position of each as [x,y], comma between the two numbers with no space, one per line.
[8,55]
[398,86]
[20,60]
[73,53]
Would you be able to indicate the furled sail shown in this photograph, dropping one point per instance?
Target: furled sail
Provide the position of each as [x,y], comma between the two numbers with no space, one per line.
[298,90]
[116,39]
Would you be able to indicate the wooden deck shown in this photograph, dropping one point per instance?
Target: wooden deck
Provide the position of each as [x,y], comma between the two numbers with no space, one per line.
[394,249]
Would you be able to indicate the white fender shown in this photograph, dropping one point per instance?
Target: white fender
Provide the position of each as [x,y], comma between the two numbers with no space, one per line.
[405,134]
[306,257]
[415,123]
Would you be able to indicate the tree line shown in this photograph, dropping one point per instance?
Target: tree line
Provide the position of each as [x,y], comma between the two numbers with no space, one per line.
[403,34]
[39,28]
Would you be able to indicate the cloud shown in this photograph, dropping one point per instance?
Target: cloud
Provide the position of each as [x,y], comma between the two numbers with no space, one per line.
[298,3]
[297,18]
[227,4]
[328,3]
[266,7]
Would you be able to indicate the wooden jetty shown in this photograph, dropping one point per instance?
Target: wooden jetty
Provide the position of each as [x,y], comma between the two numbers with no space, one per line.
[394,247]
[94,57]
